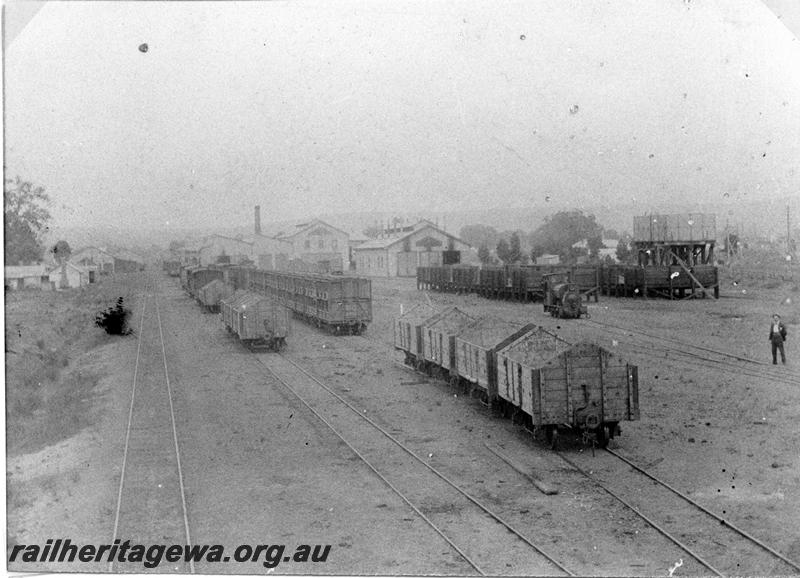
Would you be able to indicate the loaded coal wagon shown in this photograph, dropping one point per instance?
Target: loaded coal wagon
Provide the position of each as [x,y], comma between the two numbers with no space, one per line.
[438,339]
[408,332]
[555,383]
[476,348]
[258,321]
[212,293]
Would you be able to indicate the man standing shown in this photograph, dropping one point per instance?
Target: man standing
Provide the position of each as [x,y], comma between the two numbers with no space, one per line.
[777,335]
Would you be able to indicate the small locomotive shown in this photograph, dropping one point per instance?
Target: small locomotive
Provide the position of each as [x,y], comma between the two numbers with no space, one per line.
[562,297]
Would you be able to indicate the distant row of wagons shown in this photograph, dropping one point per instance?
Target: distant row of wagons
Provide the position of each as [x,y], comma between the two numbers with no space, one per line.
[529,282]
[338,303]
[527,371]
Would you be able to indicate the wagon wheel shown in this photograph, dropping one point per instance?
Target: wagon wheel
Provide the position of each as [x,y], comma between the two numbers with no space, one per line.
[602,434]
[551,435]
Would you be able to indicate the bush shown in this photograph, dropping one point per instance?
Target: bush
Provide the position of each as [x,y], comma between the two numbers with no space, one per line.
[114,319]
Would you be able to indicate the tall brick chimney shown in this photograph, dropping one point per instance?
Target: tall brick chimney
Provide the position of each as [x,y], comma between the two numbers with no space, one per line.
[258,219]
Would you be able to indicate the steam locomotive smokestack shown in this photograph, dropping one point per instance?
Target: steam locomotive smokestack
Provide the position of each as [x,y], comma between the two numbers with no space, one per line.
[258,219]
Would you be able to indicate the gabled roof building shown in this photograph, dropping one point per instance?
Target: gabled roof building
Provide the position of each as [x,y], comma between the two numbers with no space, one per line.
[399,254]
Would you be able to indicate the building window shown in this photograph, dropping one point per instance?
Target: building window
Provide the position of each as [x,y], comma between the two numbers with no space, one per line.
[322,243]
[335,244]
[308,244]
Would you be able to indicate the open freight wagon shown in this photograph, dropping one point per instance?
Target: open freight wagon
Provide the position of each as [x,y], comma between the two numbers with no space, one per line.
[555,383]
[407,332]
[438,335]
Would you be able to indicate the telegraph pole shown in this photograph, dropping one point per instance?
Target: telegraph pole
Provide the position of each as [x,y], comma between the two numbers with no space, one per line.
[788,233]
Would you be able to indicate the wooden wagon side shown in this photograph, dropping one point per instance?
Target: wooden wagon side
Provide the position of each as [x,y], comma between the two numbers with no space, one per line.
[260,322]
[582,386]
[408,332]
[438,338]
[226,309]
[476,349]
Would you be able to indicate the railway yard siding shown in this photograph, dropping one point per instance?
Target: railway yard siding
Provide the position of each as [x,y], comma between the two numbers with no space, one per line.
[718,428]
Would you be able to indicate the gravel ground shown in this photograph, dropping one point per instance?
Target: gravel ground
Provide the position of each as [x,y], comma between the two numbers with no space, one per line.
[260,469]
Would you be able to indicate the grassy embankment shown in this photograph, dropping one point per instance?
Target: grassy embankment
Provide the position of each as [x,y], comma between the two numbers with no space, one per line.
[49,385]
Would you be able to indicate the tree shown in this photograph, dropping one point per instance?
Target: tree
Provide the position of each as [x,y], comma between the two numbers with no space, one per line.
[477,235]
[373,231]
[503,251]
[559,232]
[536,252]
[733,243]
[515,249]
[624,252]
[26,218]
[61,252]
[175,246]
[594,244]
[484,255]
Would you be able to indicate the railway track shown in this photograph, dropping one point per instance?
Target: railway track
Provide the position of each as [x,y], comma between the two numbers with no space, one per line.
[151,500]
[711,542]
[466,524]
[695,355]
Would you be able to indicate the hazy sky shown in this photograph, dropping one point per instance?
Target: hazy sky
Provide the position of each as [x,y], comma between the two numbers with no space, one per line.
[320,107]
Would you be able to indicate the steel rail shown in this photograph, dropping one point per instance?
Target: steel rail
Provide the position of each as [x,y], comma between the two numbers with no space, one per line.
[128,428]
[376,472]
[699,347]
[720,519]
[661,530]
[174,434]
[697,358]
[434,470]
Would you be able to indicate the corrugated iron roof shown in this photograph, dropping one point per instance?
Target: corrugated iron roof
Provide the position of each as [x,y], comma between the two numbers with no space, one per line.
[20,271]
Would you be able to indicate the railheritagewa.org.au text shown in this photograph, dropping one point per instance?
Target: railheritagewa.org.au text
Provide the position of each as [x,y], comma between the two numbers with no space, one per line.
[152,555]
